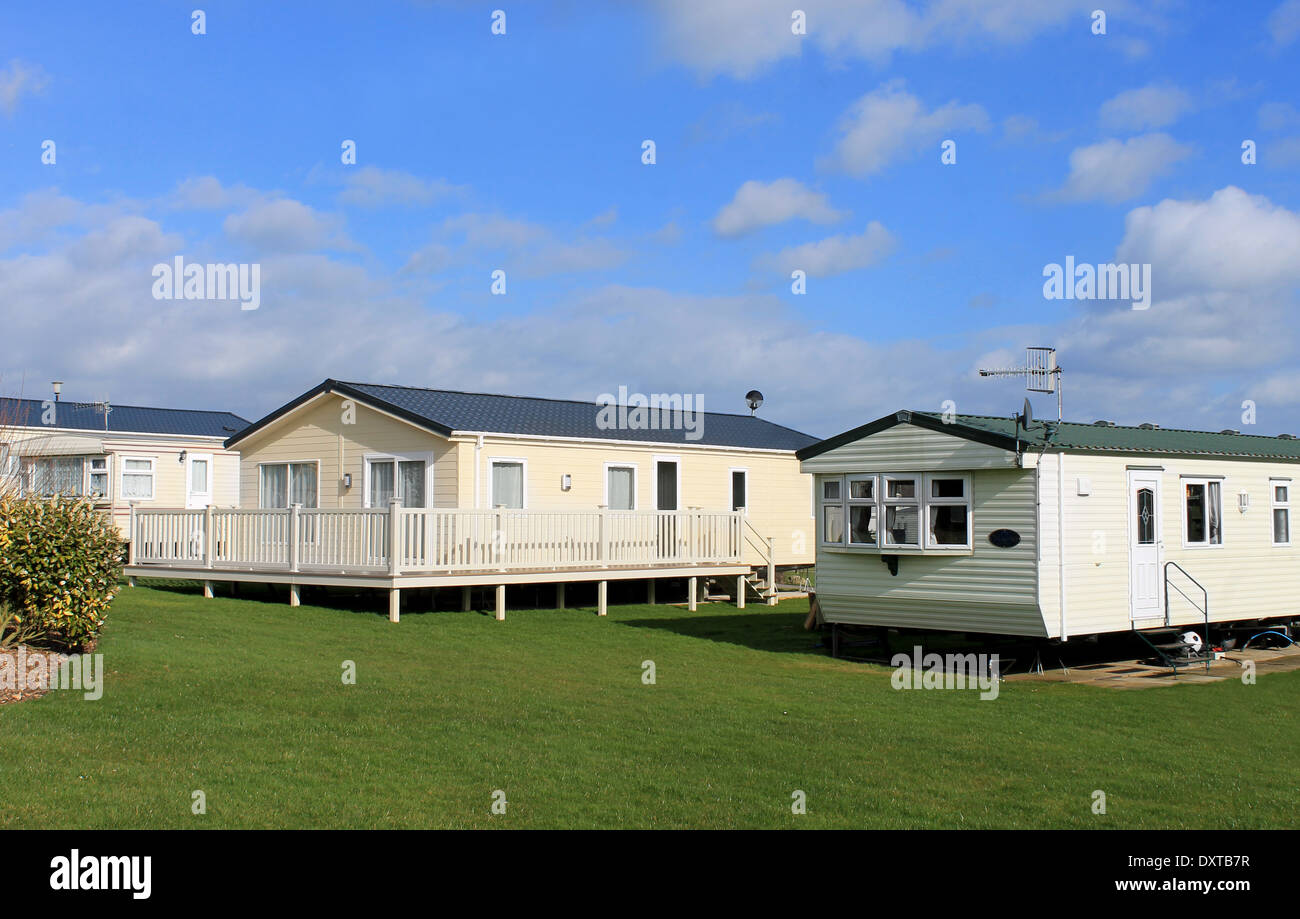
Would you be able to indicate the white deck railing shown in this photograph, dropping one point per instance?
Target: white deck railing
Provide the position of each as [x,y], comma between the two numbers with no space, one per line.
[401,540]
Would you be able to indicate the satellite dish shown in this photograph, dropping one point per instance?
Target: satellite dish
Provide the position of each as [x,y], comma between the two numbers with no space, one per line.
[1027,415]
[754,398]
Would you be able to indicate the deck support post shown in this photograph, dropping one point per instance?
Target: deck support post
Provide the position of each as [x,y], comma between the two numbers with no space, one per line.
[602,598]
[650,591]
[501,603]
[465,600]
[740,591]
[295,595]
[690,593]
[207,590]
[394,604]
[559,595]
[131,542]
[771,572]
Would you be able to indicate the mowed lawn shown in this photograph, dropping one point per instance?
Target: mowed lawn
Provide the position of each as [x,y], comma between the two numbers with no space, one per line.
[243,699]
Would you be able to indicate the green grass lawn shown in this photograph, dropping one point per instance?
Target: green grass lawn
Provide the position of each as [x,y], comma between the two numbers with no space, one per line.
[243,699]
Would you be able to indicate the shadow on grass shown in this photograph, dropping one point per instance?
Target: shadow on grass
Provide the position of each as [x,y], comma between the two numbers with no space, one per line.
[781,632]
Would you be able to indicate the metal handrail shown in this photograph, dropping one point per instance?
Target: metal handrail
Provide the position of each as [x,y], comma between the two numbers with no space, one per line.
[1205,609]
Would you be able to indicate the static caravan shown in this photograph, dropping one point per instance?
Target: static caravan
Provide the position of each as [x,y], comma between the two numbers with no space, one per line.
[119,456]
[980,524]
[360,445]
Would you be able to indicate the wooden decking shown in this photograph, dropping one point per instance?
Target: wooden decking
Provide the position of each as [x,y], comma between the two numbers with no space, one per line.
[399,547]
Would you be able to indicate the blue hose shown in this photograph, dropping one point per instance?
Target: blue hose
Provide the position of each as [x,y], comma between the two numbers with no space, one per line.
[1269,632]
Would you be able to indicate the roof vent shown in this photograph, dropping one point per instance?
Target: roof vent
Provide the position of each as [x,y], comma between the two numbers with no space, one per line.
[1148,426]
[1101,423]
[1286,437]
[1229,431]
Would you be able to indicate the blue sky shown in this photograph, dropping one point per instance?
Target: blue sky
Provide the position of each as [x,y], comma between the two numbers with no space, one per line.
[522,152]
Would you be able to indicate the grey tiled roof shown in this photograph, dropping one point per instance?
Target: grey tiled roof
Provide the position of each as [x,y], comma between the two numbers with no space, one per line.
[446,411]
[122,419]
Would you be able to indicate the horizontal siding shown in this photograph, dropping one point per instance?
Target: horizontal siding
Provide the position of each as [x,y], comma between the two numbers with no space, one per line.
[909,448]
[1247,577]
[989,590]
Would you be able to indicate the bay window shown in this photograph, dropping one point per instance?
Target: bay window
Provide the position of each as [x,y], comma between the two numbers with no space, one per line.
[896,511]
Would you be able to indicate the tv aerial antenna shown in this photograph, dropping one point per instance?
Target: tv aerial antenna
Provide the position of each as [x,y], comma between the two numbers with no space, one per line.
[1041,374]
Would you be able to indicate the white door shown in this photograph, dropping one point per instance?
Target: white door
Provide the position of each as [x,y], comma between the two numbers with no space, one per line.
[198,480]
[1144,545]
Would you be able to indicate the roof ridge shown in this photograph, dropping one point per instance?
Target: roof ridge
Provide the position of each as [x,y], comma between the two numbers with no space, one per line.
[1089,424]
[116,405]
[499,395]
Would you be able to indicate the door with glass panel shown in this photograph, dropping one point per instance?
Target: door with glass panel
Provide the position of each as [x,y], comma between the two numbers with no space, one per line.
[198,480]
[1144,545]
[666,499]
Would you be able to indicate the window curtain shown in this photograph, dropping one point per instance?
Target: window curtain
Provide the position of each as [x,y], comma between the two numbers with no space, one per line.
[1215,510]
[275,486]
[381,483]
[412,483]
[507,485]
[620,489]
[302,484]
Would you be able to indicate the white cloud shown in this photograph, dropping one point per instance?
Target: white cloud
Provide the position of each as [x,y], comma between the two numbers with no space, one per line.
[17,80]
[1115,171]
[889,122]
[742,37]
[1144,109]
[835,254]
[285,225]
[1233,241]
[530,248]
[1284,23]
[207,193]
[764,204]
[371,186]
[1278,116]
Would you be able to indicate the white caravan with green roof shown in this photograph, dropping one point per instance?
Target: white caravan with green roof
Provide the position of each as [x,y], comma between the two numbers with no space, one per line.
[972,523]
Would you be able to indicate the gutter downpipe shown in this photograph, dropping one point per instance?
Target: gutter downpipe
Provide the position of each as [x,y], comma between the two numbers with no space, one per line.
[478,463]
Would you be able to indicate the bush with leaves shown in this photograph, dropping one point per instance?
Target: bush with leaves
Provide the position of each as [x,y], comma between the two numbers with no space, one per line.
[60,562]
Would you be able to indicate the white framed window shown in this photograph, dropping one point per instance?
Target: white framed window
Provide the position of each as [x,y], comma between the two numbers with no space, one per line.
[947,499]
[508,480]
[739,482]
[1202,513]
[864,510]
[921,512]
[284,484]
[830,522]
[901,498]
[97,484]
[136,476]
[57,475]
[620,486]
[1280,495]
[405,477]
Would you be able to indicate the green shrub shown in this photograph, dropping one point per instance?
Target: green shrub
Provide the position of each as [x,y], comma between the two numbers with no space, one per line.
[60,562]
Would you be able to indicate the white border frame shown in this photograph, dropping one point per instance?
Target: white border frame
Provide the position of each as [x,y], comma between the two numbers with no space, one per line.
[153,476]
[654,484]
[493,460]
[1275,505]
[967,501]
[636,482]
[288,481]
[1183,482]
[425,456]
[731,488]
